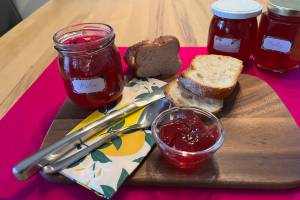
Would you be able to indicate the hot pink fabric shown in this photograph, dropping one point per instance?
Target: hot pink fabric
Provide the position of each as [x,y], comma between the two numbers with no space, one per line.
[25,125]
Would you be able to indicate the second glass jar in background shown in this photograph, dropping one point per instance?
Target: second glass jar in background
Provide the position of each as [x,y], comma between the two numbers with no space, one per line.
[90,64]
[233,28]
[278,40]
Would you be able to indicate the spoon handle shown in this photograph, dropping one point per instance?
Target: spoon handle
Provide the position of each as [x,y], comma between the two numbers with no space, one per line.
[61,164]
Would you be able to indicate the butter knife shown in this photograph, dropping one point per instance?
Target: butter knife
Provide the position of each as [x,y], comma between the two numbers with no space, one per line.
[29,166]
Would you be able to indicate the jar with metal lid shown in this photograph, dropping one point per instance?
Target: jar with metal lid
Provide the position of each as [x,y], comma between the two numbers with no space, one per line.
[233,28]
[278,42]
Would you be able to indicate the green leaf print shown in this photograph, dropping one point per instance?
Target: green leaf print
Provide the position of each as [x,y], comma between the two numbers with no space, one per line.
[139,160]
[99,156]
[104,110]
[76,163]
[117,142]
[117,126]
[105,145]
[154,88]
[108,191]
[141,95]
[131,84]
[149,139]
[123,176]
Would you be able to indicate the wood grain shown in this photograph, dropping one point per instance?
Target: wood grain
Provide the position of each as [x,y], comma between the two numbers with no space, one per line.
[261,148]
[27,49]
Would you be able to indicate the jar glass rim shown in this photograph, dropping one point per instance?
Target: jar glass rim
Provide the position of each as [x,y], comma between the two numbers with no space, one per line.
[212,148]
[78,29]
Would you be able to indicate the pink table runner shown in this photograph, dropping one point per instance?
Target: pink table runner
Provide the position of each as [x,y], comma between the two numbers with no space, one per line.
[25,125]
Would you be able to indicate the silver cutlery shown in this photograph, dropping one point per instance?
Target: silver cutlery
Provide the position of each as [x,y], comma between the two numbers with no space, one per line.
[29,166]
[144,121]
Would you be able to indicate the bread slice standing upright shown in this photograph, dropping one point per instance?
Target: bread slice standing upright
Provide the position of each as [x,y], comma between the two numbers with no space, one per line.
[154,58]
[213,76]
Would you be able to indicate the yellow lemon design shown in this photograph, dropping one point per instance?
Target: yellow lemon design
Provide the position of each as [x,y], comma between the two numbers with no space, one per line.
[91,118]
[130,143]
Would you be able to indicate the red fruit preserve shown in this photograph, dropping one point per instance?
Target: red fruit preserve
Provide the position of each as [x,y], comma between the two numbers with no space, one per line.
[188,133]
[187,136]
[278,41]
[233,28]
[90,64]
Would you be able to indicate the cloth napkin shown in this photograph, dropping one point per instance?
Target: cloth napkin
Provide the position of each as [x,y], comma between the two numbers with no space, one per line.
[105,169]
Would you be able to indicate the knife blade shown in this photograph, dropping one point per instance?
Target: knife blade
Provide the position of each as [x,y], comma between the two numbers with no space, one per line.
[29,166]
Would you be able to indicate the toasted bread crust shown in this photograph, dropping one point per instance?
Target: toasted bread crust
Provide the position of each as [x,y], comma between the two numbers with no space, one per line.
[132,52]
[167,92]
[204,90]
[185,93]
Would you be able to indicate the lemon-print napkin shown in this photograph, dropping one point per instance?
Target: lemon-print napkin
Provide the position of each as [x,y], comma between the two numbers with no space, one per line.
[105,169]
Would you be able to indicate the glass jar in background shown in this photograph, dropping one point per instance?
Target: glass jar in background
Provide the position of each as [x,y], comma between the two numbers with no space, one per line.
[233,28]
[278,41]
[90,64]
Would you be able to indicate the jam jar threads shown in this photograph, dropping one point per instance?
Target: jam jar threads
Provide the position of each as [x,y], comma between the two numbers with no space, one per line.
[233,28]
[89,64]
[278,41]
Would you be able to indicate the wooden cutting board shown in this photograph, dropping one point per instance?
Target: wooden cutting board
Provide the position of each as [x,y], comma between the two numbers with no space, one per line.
[261,148]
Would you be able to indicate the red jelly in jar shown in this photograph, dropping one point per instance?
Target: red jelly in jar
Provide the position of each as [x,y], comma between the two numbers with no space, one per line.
[187,136]
[233,28]
[278,42]
[90,64]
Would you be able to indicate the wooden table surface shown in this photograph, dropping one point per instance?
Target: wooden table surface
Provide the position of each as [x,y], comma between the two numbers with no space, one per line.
[27,49]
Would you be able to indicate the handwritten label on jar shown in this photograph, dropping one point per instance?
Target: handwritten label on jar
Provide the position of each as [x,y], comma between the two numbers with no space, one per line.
[229,45]
[276,44]
[88,86]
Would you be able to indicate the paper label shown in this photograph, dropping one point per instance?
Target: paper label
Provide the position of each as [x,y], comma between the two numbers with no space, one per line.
[230,45]
[88,86]
[276,44]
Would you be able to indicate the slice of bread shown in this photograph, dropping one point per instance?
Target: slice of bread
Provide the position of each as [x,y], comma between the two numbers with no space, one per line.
[154,58]
[184,98]
[213,76]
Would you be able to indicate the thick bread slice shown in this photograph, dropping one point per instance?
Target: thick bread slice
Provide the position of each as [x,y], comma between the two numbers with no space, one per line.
[181,97]
[154,58]
[212,76]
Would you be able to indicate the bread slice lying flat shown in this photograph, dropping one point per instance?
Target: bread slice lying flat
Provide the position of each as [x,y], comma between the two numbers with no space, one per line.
[154,58]
[212,76]
[182,97]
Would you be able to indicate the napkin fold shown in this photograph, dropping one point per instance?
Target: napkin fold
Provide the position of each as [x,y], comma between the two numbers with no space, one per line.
[105,169]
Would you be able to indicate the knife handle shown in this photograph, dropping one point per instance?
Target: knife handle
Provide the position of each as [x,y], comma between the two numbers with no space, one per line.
[61,164]
[29,166]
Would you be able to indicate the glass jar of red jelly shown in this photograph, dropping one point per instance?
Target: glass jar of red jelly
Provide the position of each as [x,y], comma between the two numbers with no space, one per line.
[90,64]
[278,41]
[233,28]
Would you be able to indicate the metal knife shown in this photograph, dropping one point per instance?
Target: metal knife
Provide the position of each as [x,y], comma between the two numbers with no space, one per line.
[29,166]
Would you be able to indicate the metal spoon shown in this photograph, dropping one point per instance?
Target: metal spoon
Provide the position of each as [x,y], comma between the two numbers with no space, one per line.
[144,121]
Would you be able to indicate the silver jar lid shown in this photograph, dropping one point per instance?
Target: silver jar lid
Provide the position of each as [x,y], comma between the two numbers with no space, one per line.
[285,7]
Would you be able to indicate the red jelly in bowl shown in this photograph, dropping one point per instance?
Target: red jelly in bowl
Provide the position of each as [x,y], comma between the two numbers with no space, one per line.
[90,64]
[187,136]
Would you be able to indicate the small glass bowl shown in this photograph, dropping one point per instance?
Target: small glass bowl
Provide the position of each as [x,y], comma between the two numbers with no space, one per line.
[185,159]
